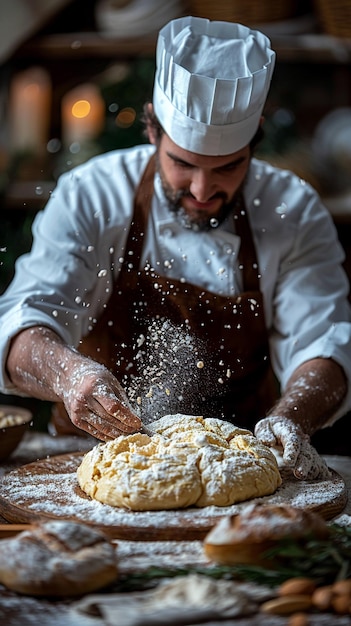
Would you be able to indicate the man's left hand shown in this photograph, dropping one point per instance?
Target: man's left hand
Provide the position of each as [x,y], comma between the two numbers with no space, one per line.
[298,453]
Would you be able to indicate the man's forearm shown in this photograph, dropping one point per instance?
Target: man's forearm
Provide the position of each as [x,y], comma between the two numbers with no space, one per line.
[313,394]
[36,362]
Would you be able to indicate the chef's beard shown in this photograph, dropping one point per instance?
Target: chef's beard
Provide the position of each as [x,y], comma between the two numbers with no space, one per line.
[197,223]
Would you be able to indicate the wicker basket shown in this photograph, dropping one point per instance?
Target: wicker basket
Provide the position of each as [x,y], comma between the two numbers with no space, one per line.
[334,16]
[243,11]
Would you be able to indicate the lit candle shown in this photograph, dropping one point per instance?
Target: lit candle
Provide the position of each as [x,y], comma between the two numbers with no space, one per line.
[29,110]
[83,114]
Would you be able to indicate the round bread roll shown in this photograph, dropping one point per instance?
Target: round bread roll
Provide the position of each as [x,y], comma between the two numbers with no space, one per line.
[189,461]
[244,538]
[57,558]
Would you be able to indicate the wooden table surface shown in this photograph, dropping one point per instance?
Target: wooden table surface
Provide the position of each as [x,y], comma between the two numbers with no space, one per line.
[134,556]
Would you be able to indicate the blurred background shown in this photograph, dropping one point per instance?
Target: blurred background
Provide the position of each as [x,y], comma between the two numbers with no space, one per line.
[74,75]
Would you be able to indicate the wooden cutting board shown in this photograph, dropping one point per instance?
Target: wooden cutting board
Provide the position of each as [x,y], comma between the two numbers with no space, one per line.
[48,489]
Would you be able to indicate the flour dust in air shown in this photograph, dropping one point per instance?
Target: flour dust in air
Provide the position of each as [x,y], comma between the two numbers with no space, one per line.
[170,361]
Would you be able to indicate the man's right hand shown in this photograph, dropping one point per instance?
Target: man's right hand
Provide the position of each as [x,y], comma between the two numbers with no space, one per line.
[96,402]
[42,366]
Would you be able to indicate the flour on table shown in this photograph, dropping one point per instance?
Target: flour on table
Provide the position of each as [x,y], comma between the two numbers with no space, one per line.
[48,488]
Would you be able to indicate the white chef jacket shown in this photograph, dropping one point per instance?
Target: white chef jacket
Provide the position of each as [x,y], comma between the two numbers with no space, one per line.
[66,279]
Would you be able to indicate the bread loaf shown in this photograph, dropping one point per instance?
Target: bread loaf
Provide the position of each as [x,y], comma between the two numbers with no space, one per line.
[57,558]
[244,538]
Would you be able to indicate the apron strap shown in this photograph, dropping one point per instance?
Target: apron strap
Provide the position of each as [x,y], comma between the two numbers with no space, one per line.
[247,252]
[142,205]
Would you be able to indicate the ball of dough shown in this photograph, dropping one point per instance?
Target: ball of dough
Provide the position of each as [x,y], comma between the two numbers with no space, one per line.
[189,461]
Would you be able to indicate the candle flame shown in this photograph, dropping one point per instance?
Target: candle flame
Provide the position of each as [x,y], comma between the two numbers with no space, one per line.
[81,108]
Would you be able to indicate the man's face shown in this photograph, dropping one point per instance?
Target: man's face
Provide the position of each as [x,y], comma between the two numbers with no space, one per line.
[198,187]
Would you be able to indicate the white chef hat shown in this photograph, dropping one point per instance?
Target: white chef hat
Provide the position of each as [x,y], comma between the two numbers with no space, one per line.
[211,83]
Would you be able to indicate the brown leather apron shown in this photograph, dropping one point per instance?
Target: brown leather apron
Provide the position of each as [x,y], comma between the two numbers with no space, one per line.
[177,348]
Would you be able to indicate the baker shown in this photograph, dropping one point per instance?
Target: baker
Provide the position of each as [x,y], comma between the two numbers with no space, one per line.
[184,275]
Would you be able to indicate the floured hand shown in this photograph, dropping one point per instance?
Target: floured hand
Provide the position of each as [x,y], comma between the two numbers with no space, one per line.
[97,403]
[41,365]
[298,453]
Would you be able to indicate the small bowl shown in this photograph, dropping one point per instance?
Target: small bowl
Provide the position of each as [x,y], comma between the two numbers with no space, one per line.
[14,421]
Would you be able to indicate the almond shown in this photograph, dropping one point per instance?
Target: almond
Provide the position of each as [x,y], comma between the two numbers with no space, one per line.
[322,597]
[304,586]
[342,587]
[285,605]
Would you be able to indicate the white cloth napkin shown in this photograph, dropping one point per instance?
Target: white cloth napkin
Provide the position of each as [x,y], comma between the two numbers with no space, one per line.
[184,600]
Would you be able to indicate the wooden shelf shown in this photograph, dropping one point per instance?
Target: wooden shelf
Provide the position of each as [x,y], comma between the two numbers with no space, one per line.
[68,46]
[314,47]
